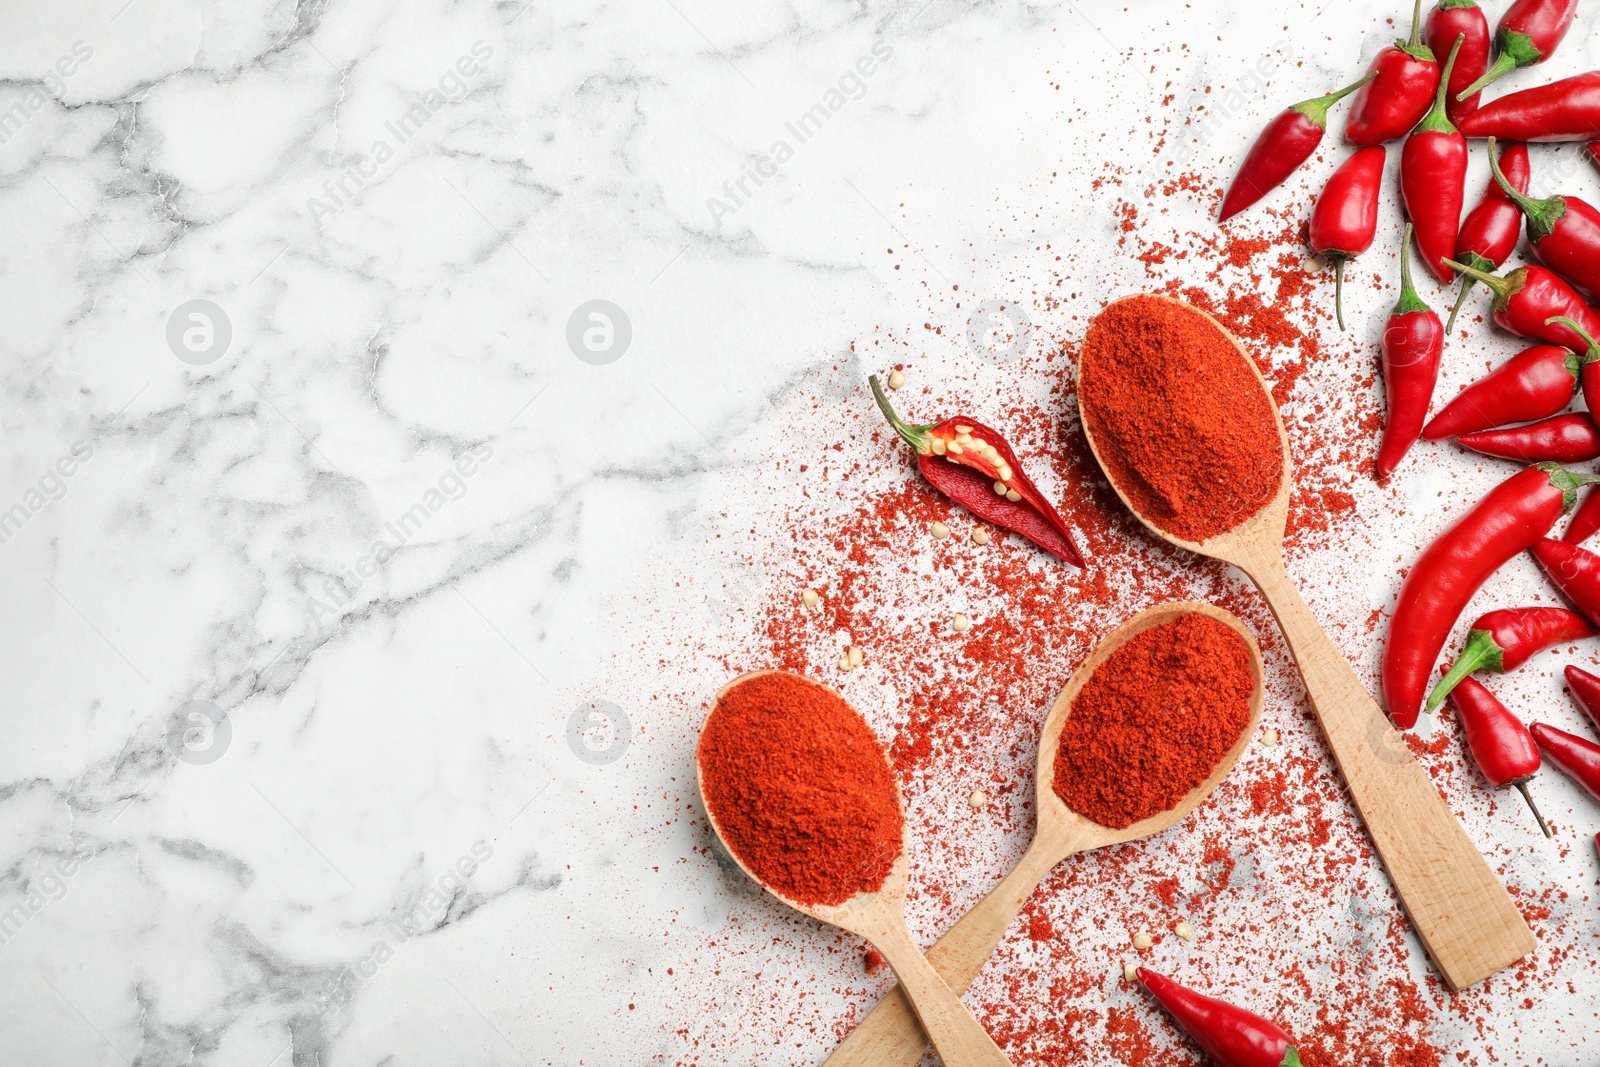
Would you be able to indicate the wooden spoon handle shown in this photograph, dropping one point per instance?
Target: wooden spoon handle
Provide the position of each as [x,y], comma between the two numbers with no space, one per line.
[1462,913]
[890,1035]
[960,1040]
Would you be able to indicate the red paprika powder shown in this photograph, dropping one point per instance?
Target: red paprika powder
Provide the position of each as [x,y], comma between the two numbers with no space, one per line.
[1153,720]
[800,788]
[1179,419]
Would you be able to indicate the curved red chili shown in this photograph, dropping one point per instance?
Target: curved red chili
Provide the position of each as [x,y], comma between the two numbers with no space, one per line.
[1510,519]
[1573,756]
[975,466]
[1564,232]
[1505,639]
[1565,110]
[1405,76]
[1574,570]
[1345,217]
[1589,376]
[1231,1036]
[1460,18]
[1433,180]
[1526,299]
[1413,340]
[1500,745]
[1283,146]
[1585,520]
[1489,234]
[1570,438]
[1533,384]
[1585,690]
[1528,33]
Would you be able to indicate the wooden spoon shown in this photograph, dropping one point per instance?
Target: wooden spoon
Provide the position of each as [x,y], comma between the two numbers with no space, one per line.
[889,1035]
[1464,916]
[879,918]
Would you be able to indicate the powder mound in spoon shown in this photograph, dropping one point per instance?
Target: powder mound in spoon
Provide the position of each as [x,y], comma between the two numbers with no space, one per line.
[801,789]
[1154,720]
[1181,423]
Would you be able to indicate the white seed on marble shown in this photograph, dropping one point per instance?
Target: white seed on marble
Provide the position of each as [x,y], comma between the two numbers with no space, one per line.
[977,800]
[980,536]
[855,656]
[1184,930]
[1130,973]
[844,662]
[896,379]
[1142,942]
[939,531]
[809,598]
[960,623]
[1269,735]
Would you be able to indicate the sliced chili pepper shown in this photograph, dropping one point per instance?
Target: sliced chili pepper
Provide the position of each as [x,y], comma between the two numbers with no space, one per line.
[1283,146]
[1460,18]
[1570,438]
[1510,519]
[1528,33]
[1573,756]
[1413,340]
[1585,690]
[975,466]
[1500,745]
[1565,110]
[1574,570]
[1526,299]
[1533,384]
[1231,1036]
[1433,180]
[1345,217]
[1490,231]
[1505,639]
[1405,76]
[1564,232]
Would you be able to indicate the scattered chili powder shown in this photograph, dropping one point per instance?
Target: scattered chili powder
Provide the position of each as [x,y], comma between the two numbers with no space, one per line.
[1180,421]
[801,788]
[1153,720]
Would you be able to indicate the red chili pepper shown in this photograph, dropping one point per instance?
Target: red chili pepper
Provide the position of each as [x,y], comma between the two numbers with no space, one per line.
[975,466]
[1287,142]
[1589,376]
[1505,639]
[1447,21]
[1565,110]
[1528,32]
[1515,514]
[1574,570]
[1405,76]
[1573,756]
[1433,180]
[1413,340]
[1585,520]
[1500,745]
[1231,1036]
[1564,232]
[1528,298]
[1570,438]
[1345,217]
[1585,690]
[1533,384]
[1490,231]
[1592,150]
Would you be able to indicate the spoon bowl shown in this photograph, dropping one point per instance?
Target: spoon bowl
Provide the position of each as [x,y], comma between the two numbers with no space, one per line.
[889,1036]
[879,918]
[1460,911]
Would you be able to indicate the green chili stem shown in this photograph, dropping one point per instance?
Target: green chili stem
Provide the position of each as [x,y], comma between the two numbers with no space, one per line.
[915,436]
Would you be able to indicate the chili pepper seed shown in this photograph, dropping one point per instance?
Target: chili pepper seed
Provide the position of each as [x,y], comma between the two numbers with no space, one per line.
[939,531]
[1013,496]
[977,800]
[809,598]
[960,623]
[938,446]
[855,656]
[980,536]
[1184,930]
[1269,735]
[953,446]
[896,379]
[1142,942]
[1000,488]
[844,662]
[1130,973]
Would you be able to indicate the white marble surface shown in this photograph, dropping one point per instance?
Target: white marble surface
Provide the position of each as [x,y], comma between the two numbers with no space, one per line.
[395,531]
